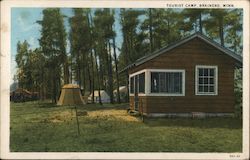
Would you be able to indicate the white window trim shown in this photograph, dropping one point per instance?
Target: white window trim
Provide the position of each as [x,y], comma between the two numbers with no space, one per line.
[136,73]
[196,80]
[167,70]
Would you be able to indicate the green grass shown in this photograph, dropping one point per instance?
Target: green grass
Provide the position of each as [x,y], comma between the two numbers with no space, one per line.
[40,127]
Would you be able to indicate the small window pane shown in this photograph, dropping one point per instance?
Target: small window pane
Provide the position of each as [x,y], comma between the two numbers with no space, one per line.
[206,72]
[211,89]
[180,82]
[162,82]
[201,89]
[201,80]
[171,82]
[142,83]
[177,82]
[205,88]
[211,72]
[200,71]
[205,80]
[211,81]
[154,82]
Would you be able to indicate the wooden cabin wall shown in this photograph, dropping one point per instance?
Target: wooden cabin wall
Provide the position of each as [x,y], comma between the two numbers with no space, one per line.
[187,56]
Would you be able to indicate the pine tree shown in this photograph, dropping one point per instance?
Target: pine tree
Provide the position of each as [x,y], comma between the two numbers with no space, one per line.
[194,18]
[21,59]
[234,30]
[79,33]
[216,23]
[103,22]
[53,42]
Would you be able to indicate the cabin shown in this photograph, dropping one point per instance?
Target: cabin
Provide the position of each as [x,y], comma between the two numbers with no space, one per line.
[23,95]
[190,77]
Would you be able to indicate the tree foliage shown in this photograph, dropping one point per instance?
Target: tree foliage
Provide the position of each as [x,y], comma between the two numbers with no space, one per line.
[98,51]
[53,46]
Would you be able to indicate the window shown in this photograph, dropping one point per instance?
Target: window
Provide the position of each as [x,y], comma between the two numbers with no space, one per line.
[169,82]
[142,83]
[137,83]
[206,80]
[154,82]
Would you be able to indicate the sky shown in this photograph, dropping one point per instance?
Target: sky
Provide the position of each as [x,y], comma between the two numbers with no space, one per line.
[24,27]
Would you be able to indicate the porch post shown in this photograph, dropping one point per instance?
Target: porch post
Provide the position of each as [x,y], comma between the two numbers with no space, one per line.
[147,82]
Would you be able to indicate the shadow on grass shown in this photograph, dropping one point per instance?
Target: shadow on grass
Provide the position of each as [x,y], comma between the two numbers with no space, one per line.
[47,105]
[96,107]
[215,122]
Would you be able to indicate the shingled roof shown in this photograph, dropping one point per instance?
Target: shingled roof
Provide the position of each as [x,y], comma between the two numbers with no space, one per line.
[165,49]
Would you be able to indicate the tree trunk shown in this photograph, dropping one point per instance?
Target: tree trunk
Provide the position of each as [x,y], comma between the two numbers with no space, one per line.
[42,85]
[93,79]
[58,88]
[131,46]
[128,45]
[127,85]
[71,72]
[127,61]
[168,37]
[89,19]
[66,71]
[110,74]
[79,74]
[126,50]
[54,87]
[116,72]
[221,31]
[150,30]
[84,79]
[98,78]
[200,22]
[89,76]
[101,75]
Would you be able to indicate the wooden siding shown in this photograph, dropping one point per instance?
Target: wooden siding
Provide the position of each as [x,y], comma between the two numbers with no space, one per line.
[187,56]
[142,103]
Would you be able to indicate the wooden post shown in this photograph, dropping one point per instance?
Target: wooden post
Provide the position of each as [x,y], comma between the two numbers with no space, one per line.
[77,121]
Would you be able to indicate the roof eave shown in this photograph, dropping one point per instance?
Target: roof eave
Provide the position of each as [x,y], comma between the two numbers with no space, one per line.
[166,49]
[223,49]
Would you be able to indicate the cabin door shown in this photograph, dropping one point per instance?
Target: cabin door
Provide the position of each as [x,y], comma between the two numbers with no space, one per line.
[136,98]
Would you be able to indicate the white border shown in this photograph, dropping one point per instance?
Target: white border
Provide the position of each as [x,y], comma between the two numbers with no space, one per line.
[196,80]
[5,79]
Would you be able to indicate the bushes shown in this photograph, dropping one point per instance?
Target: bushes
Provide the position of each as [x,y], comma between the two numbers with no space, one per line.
[238,92]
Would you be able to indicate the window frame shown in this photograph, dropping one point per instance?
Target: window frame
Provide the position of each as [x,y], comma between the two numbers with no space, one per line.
[197,67]
[182,71]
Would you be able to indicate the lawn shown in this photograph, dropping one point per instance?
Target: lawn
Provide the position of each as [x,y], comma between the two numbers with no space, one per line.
[40,127]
